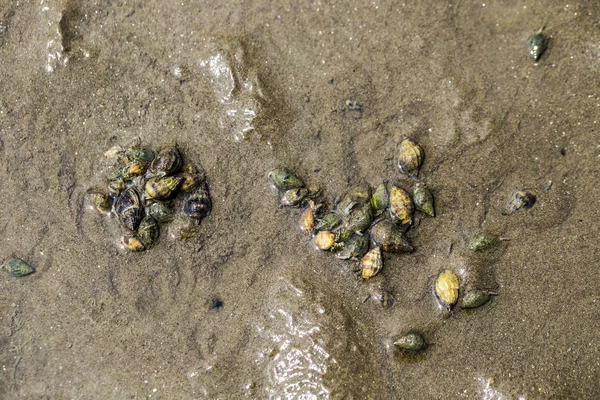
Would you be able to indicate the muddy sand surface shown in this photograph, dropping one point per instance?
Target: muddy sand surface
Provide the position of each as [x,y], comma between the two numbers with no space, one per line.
[249,308]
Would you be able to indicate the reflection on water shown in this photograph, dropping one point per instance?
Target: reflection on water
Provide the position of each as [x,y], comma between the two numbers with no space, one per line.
[491,393]
[311,345]
[298,358]
[51,15]
[300,364]
[236,89]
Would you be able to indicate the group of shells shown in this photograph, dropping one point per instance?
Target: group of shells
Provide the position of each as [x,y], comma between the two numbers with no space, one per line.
[360,225]
[142,189]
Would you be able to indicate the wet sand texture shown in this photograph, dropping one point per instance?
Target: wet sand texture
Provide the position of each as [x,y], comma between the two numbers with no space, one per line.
[250,309]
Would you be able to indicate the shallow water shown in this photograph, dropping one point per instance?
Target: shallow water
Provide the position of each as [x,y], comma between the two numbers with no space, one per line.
[245,87]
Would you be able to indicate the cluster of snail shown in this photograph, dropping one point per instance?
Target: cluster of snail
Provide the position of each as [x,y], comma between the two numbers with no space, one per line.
[142,189]
[360,225]
[348,225]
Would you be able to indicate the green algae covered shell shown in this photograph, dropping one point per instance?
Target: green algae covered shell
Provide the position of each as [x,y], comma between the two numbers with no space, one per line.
[140,154]
[380,199]
[423,200]
[538,43]
[410,342]
[355,247]
[328,222]
[356,222]
[18,267]
[148,231]
[285,179]
[352,200]
[475,298]
[161,212]
[483,241]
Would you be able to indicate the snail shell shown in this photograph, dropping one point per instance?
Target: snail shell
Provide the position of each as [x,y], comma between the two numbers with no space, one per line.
[324,240]
[132,243]
[197,204]
[423,200]
[128,208]
[538,43]
[293,197]
[148,231]
[475,298]
[521,199]
[357,221]
[401,206]
[162,187]
[307,221]
[18,268]
[102,201]
[160,212]
[380,199]
[285,179]
[191,178]
[116,186]
[483,241]
[328,222]
[354,248]
[446,288]
[371,263]
[410,157]
[167,162]
[140,154]
[352,200]
[387,235]
[410,342]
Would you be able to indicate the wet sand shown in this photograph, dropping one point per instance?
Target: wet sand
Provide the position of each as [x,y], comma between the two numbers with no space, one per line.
[245,87]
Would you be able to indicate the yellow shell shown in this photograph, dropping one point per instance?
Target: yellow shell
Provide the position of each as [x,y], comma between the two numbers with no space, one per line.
[371,263]
[410,158]
[191,177]
[162,187]
[307,221]
[324,240]
[401,206]
[446,288]
[132,243]
[137,167]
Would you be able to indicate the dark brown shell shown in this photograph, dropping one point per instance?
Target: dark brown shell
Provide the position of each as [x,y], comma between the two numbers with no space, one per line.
[197,204]
[128,208]
[167,162]
[521,199]
[389,237]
